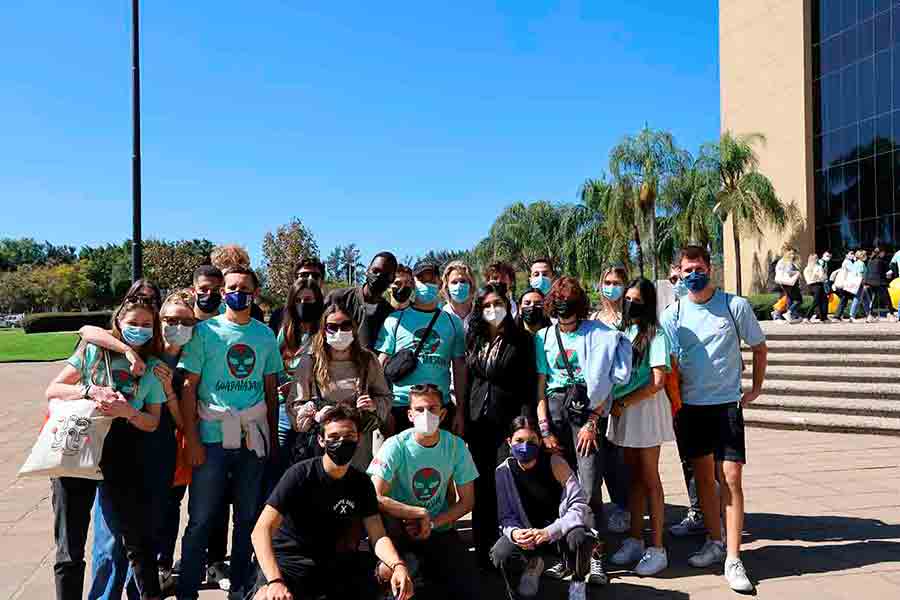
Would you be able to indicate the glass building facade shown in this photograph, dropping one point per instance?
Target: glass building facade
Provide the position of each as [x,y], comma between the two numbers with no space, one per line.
[856,122]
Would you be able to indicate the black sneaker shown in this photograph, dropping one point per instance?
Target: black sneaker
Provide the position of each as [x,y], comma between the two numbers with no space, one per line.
[218,574]
[597,576]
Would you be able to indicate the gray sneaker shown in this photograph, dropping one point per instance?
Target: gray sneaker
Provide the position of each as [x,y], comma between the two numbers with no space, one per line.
[531,578]
[737,576]
[711,553]
[558,571]
[692,524]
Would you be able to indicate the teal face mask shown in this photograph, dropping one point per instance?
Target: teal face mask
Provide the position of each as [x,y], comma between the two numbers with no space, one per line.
[459,292]
[426,293]
[612,292]
[541,282]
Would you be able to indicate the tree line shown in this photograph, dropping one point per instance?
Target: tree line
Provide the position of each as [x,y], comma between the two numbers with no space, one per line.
[653,198]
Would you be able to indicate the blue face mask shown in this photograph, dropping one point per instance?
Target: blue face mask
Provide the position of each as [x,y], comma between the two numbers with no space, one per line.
[541,282]
[136,336]
[459,292]
[238,301]
[525,451]
[426,293]
[696,282]
[612,292]
[680,290]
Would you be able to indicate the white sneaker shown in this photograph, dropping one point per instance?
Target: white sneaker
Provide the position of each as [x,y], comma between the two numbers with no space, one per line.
[776,316]
[692,524]
[597,575]
[558,571]
[871,319]
[711,553]
[736,576]
[852,319]
[813,319]
[653,561]
[619,521]
[629,553]
[531,577]
[577,590]
[793,320]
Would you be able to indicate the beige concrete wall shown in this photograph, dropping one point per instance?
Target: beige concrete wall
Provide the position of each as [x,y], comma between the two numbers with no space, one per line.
[765,63]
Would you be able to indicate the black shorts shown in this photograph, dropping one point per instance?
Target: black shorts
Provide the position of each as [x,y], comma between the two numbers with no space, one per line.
[717,429]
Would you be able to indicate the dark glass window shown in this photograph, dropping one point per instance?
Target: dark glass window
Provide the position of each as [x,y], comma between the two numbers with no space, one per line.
[884,172]
[866,9]
[883,134]
[849,91]
[882,31]
[866,90]
[886,232]
[883,84]
[849,49]
[867,138]
[865,203]
[881,5]
[895,25]
[866,38]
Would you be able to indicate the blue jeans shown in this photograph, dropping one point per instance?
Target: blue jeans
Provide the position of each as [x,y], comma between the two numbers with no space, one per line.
[207,493]
[866,301]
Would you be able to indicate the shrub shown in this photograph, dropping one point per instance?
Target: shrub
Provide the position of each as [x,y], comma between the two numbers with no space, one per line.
[64,321]
[762,305]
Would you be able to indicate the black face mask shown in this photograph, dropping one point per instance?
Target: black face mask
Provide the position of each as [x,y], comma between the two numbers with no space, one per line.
[532,314]
[378,282]
[633,310]
[563,308]
[209,303]
[309,312]
[401,295]
[341,451]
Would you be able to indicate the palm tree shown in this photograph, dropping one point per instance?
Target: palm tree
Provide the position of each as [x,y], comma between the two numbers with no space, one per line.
[744,194]
[522,233]
[691,196]
[643,163]
[604,220]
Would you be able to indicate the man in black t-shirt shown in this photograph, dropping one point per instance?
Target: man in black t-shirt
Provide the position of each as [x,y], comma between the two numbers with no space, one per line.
[307,538]
[366,302]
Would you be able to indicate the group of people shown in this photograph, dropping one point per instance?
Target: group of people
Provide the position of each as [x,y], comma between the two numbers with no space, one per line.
[861,281]
[351,433]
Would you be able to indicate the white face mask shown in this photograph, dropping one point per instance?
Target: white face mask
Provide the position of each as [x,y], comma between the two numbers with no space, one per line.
[494,315]
[339,340]
[177,335]
[426,422]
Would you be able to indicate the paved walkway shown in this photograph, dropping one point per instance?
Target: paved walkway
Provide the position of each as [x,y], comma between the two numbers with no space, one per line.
[823,522]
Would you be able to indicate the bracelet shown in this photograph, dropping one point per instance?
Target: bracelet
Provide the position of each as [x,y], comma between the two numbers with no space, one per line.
[545,430]
[86,391]
[276,580]
[590,425]
[398,564]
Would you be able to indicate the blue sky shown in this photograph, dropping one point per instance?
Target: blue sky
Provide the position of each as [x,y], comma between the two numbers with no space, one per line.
[397,125]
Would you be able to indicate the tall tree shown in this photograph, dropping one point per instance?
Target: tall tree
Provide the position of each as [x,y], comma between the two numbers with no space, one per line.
[171,264]
[523,232]
[691,196]
[643,163]
[281,251]
[608,226]
[109,269]
[16,252]
[744,194]
[334,263]
[352,267]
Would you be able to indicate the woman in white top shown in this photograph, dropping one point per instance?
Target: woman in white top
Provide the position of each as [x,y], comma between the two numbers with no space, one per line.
[816,275]
[787,274]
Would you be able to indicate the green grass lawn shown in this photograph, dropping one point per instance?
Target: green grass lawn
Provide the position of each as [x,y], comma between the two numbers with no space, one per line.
[16,346]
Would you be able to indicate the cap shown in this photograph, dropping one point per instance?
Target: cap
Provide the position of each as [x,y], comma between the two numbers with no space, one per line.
[424,266]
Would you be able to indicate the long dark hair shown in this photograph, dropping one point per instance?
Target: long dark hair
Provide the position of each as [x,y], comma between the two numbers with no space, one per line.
[321,351]
[520,322]
[478,327]
[290,325]
[648,323]
[523,422]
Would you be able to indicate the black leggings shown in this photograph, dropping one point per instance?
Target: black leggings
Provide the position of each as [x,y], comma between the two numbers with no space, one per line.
[820,302]
[575,549]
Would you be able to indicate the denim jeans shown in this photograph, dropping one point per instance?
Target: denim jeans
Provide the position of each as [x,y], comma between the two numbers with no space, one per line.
[72,499]
[866,299]
[207,495]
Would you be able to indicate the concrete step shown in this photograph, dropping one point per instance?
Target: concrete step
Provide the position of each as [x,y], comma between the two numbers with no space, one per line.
[802,345]
[830,389]
[829,405]
[820,359]
[775,419]
[844,330]
[851,374]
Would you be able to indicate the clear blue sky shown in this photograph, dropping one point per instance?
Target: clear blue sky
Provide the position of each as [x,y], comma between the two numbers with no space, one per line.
[397,125]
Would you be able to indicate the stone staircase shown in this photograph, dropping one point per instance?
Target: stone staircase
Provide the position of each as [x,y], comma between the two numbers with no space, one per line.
[829,377]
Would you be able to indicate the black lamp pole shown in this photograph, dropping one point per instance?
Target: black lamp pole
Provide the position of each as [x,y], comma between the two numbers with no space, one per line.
[137,258]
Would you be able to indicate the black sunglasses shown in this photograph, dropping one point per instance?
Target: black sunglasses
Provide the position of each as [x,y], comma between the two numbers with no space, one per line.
[342,326]
[315,275]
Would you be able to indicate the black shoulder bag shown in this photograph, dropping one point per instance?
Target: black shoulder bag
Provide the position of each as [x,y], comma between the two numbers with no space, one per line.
[402,363]
[576,404]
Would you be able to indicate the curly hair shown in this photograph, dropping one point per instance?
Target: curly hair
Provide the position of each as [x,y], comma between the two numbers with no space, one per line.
[570,289]
[229,255]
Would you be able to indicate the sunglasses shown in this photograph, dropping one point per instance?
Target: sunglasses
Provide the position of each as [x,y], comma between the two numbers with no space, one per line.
[674,279]
[314,275]
[342,326]
[177,321]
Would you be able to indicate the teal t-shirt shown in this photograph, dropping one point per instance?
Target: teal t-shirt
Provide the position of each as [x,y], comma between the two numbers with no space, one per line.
[550,362]
[232,361]
[404,328]
[707,340]
[658,354]
[420,476]
[138,391]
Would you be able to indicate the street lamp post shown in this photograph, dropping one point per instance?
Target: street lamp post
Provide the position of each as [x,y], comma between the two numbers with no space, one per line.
[137,259]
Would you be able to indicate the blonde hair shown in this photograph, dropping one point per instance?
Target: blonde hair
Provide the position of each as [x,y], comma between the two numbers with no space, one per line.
[465,270]
[180,297]
[229,255]
[861,255]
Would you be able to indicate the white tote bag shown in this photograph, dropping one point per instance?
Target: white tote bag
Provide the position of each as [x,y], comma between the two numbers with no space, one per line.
[71,442]
[852,282]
